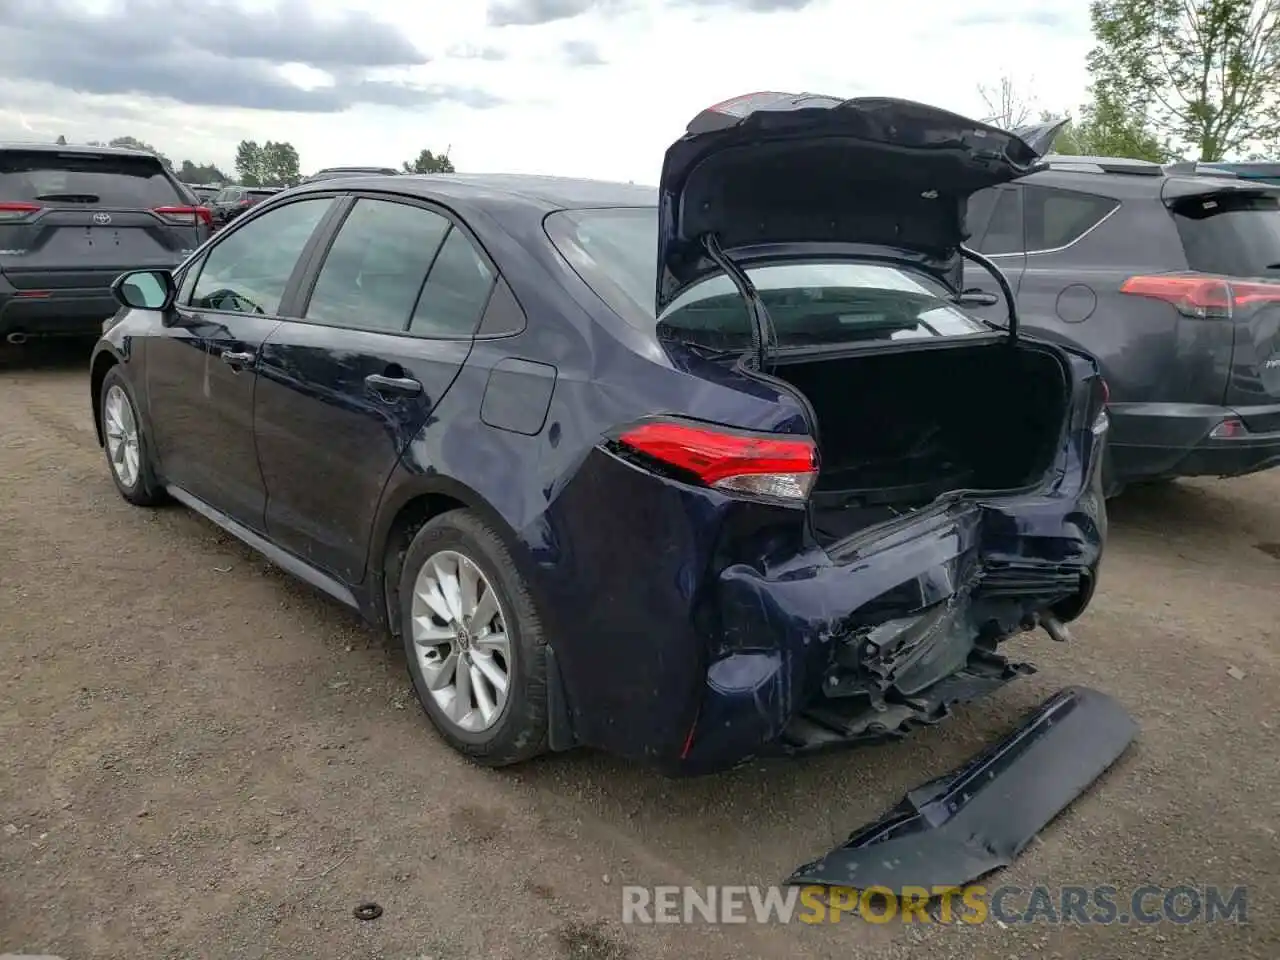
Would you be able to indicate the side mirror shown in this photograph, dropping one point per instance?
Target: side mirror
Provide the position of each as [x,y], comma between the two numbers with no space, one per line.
[145,289]
[974,297]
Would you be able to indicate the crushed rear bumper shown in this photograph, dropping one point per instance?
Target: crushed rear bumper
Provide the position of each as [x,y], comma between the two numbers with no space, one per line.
[960,827]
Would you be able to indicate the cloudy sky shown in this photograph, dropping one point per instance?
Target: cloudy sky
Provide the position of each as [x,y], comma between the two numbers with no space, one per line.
[576,87]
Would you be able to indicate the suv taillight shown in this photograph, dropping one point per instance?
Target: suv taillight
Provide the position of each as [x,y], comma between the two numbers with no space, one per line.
[760,464]
[1207,298]
[16,210]
[186,216]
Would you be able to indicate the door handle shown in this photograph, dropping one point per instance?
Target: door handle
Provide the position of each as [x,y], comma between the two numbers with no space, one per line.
[238,360]
[393,386]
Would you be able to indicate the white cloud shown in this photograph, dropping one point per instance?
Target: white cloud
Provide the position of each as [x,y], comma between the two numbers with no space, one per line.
[664,60]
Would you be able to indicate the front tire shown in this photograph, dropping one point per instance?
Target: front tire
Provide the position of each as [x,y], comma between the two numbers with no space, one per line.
[125,443]
[473,641]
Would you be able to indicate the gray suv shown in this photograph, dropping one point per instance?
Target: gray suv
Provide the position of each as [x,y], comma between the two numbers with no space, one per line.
[74,218]
[1168,275]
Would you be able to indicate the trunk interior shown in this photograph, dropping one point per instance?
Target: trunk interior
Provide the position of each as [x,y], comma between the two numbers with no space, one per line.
[898,430]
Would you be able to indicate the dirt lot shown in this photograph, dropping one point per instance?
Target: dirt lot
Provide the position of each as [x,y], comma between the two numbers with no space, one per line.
[204,758]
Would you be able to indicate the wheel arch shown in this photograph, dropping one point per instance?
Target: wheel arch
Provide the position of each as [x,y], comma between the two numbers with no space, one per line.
[410,507]
[103,360]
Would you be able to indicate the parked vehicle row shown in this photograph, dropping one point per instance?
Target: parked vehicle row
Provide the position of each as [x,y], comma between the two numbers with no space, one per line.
[232,201]
[784,504]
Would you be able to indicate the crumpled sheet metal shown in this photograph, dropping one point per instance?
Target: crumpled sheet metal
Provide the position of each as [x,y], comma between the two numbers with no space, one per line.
[962,826]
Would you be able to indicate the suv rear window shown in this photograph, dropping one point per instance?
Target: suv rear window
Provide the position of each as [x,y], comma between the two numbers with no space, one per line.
[44,176]
[812,302]
[1237,234]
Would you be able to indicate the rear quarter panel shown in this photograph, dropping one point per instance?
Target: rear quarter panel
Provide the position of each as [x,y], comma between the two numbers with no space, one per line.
[1146,350]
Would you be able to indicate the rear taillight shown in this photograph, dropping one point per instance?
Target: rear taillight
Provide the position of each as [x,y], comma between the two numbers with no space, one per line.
[765,465]
[1207,298]
[1229,429]
[186,216]
[11,210]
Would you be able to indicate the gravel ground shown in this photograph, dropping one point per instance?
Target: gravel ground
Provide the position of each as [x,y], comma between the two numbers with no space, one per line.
[203,758]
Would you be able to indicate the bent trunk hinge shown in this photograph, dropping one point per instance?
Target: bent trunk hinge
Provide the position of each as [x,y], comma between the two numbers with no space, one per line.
[1001,280]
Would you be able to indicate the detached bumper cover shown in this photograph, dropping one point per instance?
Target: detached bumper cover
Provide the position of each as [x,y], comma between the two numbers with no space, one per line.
[955,829]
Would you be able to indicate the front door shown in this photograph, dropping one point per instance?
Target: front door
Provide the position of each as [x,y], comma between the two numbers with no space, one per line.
[343,391]
[202,369]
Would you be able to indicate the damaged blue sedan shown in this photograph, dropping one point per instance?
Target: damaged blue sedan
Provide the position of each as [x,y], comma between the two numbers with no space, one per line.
[692,475]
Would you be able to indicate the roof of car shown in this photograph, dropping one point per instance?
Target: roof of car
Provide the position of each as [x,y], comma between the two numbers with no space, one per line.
[76,148]
[483,190]
[1124,178]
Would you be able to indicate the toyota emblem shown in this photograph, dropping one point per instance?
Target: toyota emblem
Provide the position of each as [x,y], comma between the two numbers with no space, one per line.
[102,218]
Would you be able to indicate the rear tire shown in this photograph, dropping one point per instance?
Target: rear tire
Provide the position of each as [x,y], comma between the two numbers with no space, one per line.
[473,641]
[125,443]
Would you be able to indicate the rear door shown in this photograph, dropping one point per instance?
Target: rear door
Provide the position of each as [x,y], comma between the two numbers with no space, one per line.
[77,219]
[202,367]
[1236,233]
[995,225]
[386,324]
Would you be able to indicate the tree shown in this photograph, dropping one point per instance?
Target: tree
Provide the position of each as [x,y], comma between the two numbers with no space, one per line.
[1105,130]
[62,141]
[267,165]
[1206,72]
[249,163]
[279,165]
[1006,106]
[428,162]
[133,143]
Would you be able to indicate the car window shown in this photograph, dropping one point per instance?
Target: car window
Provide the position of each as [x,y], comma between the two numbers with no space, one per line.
[811,302]
[1054,218]
[90,179]
[247,271]
[374,270]
[1231,233]
[456,291]
[1004,233]
[979,212]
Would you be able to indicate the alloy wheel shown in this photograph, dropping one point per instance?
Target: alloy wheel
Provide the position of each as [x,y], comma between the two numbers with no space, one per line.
[459,632]
[121,428]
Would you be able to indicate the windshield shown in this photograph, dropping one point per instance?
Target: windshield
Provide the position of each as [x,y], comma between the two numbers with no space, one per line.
[1233,234]
[811,302]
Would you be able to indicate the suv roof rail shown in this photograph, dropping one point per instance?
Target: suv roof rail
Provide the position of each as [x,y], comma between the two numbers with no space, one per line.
[1141,168]
[1198,168]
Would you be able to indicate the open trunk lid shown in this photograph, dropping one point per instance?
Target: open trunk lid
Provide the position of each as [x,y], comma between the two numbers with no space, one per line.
[1230,233]
[78,218]
[771,170]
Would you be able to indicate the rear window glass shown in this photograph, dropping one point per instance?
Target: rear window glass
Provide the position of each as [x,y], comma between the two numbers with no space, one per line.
[91,179]
[812,302]
[1233,234]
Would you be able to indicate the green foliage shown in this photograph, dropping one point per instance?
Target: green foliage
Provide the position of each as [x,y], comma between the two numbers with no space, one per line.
[270,164]
[1205,73]
[428,162]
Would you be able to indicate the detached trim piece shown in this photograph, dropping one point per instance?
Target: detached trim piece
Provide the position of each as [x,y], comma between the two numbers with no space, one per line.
[962,826]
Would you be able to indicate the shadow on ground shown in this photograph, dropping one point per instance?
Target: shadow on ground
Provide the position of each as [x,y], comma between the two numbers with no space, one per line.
[67,353]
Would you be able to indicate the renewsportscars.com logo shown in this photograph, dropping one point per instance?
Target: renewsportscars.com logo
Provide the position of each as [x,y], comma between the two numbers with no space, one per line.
[1006,905]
